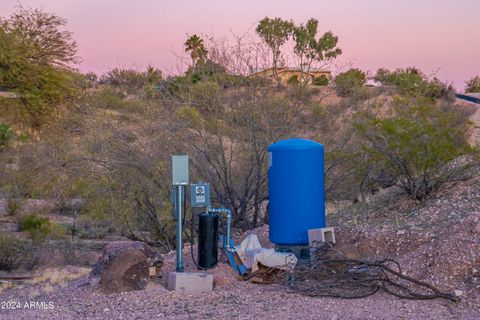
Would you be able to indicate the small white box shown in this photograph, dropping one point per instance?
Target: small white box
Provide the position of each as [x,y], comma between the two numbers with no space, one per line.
[325,235]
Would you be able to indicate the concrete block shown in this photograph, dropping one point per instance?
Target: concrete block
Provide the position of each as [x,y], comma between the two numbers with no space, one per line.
[190,282]
[321,235]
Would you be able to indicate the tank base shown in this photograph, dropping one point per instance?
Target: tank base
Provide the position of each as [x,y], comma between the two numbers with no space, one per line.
[302,252]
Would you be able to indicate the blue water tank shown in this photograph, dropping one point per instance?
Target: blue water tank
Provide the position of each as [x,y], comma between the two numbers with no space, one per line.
[296,190]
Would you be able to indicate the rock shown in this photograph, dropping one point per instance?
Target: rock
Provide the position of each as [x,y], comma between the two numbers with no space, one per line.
[123,266]
[458,293]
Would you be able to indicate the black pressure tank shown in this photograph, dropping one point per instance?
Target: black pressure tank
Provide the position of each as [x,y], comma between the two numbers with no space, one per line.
[207,240]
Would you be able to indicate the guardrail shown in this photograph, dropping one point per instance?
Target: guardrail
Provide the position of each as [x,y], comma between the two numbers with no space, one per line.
[468,98]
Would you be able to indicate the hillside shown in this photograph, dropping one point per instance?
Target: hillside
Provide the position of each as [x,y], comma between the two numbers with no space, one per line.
[100,172]
[438,241]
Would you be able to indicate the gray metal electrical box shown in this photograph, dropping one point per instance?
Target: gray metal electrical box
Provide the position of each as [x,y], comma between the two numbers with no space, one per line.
[200,195]
[179,170]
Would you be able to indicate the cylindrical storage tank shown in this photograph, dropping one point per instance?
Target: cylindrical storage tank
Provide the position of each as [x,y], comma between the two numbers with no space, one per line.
[296,190]
[207,240]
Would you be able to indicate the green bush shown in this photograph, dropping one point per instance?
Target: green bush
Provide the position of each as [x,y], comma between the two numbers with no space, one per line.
[473,85]
[109,98]
[37,227]
[35,52]
[58,231]
[318,111]
[132,81]
[320,81]
[6,135]
[350,82]
[423,146]
[293,80]
[413,82]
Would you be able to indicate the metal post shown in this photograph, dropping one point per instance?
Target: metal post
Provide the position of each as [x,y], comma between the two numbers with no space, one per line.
[179,205]
[179,181]
[229,223]
[74,225]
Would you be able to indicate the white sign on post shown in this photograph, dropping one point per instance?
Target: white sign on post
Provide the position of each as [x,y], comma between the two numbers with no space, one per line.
[200,194]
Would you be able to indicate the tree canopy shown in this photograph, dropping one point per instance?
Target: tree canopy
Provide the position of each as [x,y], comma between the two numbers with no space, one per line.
[36,59]
[276,32]
[309,49]
[196,47]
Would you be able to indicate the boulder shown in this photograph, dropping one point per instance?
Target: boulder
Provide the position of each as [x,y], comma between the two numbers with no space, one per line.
[123,266]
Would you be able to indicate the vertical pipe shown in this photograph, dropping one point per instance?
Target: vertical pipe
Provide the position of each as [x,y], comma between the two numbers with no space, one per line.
[229,222]
[179,197]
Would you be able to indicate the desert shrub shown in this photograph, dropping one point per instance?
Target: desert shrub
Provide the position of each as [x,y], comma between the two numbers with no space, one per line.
[13,207]
[37,227]
[23,137]
[320,81]
[350,82]
[319,112]
[132,81]
[6,135]
[69,252]
[36,54]
[423,146]
[58,231]
[473,85]
[10,253]
[293,80]
[413,82]
[209,71]
[89,228]
[206,97]
[109,98]
[16,253]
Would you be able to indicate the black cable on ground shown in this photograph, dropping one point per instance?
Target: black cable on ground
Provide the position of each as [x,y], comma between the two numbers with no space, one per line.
[333,275]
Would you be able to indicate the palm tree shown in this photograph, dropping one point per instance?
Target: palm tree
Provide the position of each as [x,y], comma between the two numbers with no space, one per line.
[194,44]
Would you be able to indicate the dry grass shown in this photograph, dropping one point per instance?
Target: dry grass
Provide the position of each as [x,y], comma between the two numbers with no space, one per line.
[53,277]
[5,285]
[46,282]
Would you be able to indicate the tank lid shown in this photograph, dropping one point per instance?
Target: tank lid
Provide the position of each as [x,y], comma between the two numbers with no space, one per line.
[295,143]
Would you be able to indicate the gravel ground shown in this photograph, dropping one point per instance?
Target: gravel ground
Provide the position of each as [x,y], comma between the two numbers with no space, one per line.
[236,300]
[231,299]
[438,242]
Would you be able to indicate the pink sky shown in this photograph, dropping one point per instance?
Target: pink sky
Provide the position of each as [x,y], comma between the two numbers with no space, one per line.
[441,36]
